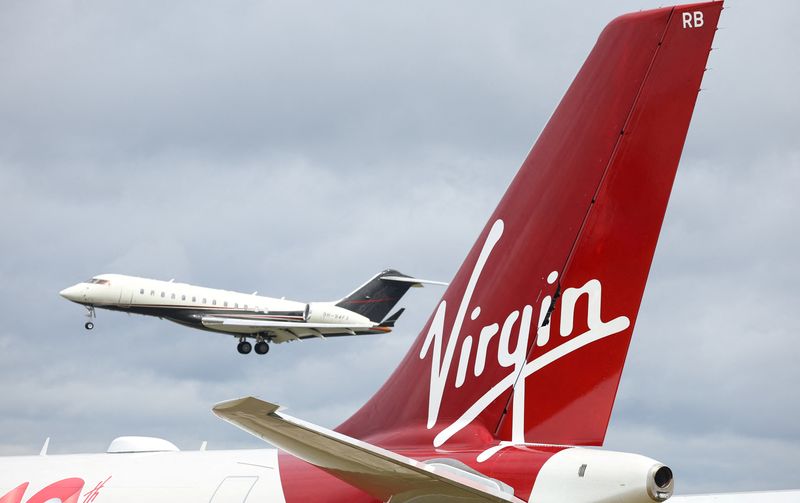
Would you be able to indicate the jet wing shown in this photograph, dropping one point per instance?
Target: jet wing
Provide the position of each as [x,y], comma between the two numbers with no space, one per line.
[251,326]
[381,473]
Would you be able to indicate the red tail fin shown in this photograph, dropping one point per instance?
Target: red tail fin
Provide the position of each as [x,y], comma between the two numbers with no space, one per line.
[567,250]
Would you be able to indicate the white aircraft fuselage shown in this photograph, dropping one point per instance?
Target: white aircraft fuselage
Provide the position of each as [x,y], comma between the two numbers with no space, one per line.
[234,476]
[210,476]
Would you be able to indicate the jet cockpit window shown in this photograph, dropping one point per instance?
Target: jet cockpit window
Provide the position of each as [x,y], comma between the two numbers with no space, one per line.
[98,281]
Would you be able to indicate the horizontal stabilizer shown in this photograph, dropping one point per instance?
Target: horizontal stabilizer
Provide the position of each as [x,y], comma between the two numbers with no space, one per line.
[413,281]
[380,473]
[391,320]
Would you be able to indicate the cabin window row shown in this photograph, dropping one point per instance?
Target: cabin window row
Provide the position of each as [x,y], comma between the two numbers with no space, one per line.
[194,299]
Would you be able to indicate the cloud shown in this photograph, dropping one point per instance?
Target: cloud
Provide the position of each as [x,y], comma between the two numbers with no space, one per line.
[297,149]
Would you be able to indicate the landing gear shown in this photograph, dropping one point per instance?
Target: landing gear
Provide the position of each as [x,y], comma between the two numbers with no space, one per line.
[244,347]
[89,325]
[262,347]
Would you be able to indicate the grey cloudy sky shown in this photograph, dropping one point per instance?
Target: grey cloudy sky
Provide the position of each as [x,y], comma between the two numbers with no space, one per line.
[296,148]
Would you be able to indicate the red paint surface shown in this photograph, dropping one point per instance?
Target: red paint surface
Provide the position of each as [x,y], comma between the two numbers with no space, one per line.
[65,491]
[515,466]
[642,77]
[15,495]
[588,202]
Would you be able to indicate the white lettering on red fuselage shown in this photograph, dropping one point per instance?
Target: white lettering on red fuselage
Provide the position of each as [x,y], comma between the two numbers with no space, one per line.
[514,358]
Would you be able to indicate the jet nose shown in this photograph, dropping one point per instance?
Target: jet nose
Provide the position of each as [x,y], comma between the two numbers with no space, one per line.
[72,293]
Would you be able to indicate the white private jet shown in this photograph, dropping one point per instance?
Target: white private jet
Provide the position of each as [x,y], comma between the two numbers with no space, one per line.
[243,315]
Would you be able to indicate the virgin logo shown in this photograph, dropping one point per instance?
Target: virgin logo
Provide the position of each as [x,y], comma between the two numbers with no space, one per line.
[513,358]
[63,491]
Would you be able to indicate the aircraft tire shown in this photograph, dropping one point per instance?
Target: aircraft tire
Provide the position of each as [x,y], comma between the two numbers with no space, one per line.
[244,347]
[262,347]
[88,325]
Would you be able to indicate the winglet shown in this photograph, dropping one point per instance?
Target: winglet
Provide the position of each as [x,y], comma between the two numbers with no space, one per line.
[250,404]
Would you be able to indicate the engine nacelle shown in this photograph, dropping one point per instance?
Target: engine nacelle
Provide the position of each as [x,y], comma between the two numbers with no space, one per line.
[325,312]
[581,475]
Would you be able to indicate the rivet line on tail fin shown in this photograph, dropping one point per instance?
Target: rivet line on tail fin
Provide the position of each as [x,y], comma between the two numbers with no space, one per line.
[552,306]
[615,150]
[578,235]
[533,344]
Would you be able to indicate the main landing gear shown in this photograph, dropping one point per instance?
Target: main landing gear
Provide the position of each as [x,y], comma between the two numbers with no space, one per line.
[244,347]
[261,346]
[89,325]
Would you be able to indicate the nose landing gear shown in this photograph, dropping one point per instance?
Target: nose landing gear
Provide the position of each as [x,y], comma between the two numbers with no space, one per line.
[91,315]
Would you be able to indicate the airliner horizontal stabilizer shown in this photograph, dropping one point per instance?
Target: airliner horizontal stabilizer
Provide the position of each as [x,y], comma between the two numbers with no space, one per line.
[381,473]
